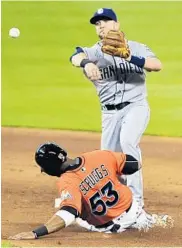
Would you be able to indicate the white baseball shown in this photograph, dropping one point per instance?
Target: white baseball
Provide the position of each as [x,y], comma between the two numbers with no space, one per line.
[14,32]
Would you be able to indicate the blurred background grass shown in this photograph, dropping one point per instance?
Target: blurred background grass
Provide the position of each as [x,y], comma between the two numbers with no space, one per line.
[6,244]
[40,88]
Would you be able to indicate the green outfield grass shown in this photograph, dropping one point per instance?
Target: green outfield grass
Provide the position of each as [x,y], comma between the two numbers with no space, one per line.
[40,88]
[5,244]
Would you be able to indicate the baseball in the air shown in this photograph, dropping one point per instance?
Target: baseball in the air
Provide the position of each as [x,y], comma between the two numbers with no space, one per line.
[14,32]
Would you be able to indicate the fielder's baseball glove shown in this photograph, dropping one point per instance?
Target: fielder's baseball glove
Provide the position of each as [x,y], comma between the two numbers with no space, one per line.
[114,43]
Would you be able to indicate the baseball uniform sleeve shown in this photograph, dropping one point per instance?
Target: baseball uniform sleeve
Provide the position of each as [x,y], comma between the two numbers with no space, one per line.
[69,197]
[126,164]
[120,161]
[147,52]
[92,52]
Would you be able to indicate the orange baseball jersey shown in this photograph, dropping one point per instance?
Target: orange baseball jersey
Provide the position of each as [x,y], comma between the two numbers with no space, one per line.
[94,190]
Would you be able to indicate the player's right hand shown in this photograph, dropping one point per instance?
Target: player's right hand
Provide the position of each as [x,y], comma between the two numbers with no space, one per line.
[92,71]
[23,235]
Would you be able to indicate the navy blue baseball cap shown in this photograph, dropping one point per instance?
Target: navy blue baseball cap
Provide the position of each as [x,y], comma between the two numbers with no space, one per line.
[104,13]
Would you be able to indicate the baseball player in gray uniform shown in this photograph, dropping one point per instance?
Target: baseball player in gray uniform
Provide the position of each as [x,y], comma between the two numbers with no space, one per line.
[121,87]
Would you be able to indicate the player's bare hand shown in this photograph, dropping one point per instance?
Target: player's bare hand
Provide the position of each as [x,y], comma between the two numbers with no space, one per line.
[23,235]
[92,71]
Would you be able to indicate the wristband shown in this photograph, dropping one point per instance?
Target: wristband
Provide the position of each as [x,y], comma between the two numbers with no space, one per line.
[139,61]
[40,231]
[84,62]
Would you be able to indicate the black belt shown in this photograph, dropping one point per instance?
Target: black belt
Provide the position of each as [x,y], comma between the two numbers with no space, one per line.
[115,107]
[109,223]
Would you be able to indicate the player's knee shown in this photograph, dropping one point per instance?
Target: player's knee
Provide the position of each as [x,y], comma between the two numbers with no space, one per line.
[130,148]
[127,145]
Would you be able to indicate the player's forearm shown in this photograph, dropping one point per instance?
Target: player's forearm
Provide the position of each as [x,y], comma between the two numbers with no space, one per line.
[77,59]
[60,220]
[149,64]
[53,225]
[152,64]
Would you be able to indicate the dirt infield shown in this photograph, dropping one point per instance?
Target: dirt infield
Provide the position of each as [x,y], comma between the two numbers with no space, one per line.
[28,196]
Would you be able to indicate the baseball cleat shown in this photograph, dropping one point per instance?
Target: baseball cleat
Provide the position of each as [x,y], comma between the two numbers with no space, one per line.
[164,221]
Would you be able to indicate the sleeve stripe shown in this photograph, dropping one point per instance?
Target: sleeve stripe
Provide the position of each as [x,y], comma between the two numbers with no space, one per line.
[71,210]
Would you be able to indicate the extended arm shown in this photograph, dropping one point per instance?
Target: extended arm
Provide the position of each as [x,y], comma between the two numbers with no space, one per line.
[80,59]
[152,64]
[77,58]
[145,60]
[149,63]
[58,221]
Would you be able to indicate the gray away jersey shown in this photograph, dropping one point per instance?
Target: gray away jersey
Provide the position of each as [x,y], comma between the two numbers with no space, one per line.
[121,81]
